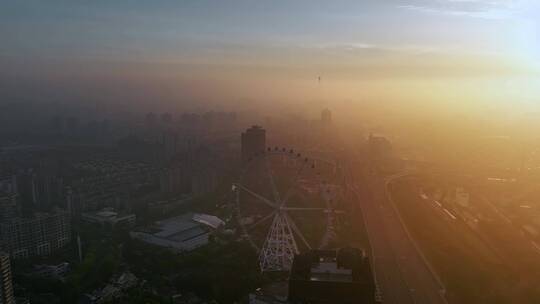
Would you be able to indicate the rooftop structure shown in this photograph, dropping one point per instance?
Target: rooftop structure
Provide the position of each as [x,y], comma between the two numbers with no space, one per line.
[328,270]
[208,220]
[331,276]
[109,217]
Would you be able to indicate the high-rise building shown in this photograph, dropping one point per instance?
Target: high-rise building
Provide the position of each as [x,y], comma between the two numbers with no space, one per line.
[326,117]
[169,144]
[204,181]
[150,120]
[39,235]
[253,142]
[6,285]
[8,205]
[39,189]
[166,118]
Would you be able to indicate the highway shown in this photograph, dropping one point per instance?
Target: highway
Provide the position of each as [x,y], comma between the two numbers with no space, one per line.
[402,273]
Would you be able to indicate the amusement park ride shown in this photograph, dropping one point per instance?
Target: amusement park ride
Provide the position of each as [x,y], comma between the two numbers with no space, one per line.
[280,244]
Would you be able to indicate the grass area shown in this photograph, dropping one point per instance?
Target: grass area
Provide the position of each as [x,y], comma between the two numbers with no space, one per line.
[470,270]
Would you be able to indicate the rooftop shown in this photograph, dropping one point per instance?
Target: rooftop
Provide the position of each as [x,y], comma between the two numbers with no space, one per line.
[208,220]
[171,226]
[329,271]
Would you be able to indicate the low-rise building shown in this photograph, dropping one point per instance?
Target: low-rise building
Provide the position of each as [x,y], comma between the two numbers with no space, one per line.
[260,297]
[107,217]
[181,233]
[331,276]
[57,272]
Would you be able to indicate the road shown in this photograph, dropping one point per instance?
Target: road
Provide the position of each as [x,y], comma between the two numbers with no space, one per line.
[402,273]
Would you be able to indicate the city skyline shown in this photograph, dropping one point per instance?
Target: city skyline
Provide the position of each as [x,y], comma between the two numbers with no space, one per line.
[270,152]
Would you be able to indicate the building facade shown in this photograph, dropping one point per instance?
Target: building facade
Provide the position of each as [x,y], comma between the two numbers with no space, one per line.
[6,284]
[253,142]
[9,207]
[39,235]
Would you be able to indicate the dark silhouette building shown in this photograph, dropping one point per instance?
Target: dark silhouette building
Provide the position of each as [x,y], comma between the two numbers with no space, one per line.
[253,142]
[326,117]
[39,235]
[331,276]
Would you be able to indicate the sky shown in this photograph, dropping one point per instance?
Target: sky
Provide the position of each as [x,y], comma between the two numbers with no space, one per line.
[448,54]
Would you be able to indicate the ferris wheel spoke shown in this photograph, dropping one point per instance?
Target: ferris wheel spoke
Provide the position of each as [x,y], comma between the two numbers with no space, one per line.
[272,182]
[289,191]
[296,230]
[258,196]
[288,194]
[262,220]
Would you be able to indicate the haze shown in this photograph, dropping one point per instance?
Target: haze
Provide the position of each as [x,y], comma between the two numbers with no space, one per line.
[451,54]
[270,152]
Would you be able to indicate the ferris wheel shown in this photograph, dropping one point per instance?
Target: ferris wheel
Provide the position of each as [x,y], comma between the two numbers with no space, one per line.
[287,202]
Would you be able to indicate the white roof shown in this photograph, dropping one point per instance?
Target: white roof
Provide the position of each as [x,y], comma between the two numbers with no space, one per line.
[208,220]
[106,213]
[174,225]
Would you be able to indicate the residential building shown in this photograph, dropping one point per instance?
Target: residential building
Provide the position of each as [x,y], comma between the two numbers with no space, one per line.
[39,235]
[326,117]
[6,284]
[9,207]
[253,142]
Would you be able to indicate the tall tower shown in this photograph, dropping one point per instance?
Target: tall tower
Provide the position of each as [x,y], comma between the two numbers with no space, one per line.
[253,142]
[326,117]
[6,285]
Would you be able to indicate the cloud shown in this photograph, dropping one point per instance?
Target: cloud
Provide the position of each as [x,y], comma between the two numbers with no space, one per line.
[484,9]
[365,49]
